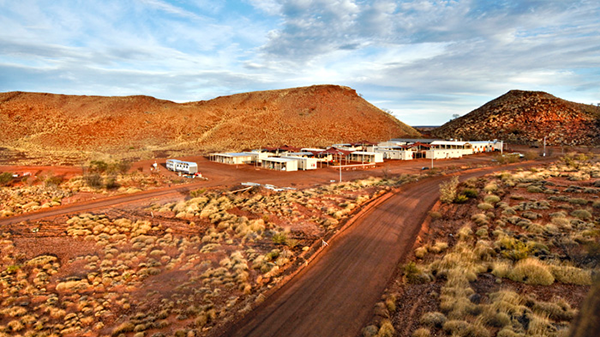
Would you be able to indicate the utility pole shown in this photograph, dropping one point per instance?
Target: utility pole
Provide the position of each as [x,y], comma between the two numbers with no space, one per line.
[544,146]
[340,163]
[432,155]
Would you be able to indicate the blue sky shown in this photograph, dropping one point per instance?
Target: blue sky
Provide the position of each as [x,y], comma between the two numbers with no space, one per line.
[424,60]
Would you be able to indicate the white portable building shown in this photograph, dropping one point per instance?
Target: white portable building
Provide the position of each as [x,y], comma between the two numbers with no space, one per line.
[367,157]
[280,164]
[304,163]
[482,146]
[443,149]
[396,152]
[235,158]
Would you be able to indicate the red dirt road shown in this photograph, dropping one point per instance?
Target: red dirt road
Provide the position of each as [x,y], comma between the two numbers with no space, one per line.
[335,295]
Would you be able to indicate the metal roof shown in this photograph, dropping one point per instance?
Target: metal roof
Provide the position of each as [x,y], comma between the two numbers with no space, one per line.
[300,154]
[281,160]
[364,152]
[236,154]
[182,162]
[449,142]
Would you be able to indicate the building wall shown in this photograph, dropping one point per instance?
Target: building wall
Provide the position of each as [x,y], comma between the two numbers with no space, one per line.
[367,157]
[444,153]
[396,154]
[289,166]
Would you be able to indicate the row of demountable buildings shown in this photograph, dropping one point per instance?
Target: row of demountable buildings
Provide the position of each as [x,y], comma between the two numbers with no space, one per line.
[288,158]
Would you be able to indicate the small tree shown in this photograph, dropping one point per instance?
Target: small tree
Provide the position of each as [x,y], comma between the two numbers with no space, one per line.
[5,178]
[93,180]
[531,155]
[52,181]
[448,190]
[98,166]
[120,167]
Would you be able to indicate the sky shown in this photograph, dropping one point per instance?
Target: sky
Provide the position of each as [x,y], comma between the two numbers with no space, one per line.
[422,60]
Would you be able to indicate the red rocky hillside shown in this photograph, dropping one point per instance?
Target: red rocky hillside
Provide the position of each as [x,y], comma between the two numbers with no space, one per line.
[309,116]
[526,117]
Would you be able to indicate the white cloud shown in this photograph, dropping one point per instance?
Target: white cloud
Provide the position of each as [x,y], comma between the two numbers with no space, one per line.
[168,8]
[271,7]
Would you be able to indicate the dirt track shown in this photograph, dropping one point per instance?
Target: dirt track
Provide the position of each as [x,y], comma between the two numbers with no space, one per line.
[335,295]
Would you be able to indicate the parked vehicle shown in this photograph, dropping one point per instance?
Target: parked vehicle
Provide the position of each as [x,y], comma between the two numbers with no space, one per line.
[182,166]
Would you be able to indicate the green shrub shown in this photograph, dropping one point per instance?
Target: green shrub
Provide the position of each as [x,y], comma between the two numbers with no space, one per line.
[561,222]
[93,180]
[499,320]
[501,269]
[531,155]
[485,206]
[435,215]
[479,218]
[461,199]
[279,238]
[197,193]
[121,167]
[414,274]
[578,201]
[470,193]
[508,332]
[531,271]
[559,310]
[52,180]
[5,178]
[531,215]
[512,248]
[438,247]
[456,327]
[482,233]
[464,232]
[448,190]
[390,303]
[370,331]
[386,329]
[421,332]
[581,214]
[98,166]
[492,199]
[477,330]
[111,182]
[572,275]
[420,252]
[433,319]
[491,187]
[123,327]
[535,189]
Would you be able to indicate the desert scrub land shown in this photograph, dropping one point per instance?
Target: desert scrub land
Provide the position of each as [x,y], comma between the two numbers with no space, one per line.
[511,254]
[175,269]
[32,193]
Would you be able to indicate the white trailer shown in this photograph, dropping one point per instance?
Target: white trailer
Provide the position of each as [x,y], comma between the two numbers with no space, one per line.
[182,166]
[367,157]
[281,164]
[304,163]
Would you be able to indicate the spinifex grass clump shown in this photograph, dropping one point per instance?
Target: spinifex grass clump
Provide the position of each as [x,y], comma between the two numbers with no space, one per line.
[534,227]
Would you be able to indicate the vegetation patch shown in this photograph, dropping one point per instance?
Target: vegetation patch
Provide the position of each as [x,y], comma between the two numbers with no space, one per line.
[518,262]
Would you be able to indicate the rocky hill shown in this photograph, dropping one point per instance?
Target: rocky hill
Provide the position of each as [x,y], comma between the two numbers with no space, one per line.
[526,117]
[46,125]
